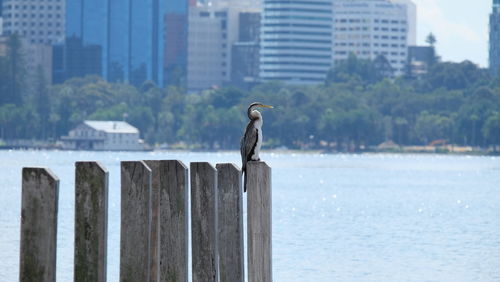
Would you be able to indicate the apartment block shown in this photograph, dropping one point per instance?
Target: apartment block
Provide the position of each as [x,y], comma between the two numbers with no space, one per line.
[370,28]
[296,41]
[214,33]
[39,21]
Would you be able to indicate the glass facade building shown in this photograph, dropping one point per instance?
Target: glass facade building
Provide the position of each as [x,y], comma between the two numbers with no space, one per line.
[296,41]
[130,34]
[175,41]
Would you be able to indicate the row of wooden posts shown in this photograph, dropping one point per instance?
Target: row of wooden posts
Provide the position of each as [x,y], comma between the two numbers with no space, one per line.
[154,222]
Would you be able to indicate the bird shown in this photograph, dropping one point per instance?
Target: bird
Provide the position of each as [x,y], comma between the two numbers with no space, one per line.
[252,138]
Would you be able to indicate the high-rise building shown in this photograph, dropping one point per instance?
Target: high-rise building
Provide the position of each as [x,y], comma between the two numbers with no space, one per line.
[130,34]
[296,41]
[35,57]
[495,38]
[208,48]
[40,22]
[245,52]
[370,28]
[420,59]
[213,29]
[175,42]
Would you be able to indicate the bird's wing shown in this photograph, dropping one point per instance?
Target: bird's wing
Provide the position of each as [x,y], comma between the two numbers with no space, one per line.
[248,143]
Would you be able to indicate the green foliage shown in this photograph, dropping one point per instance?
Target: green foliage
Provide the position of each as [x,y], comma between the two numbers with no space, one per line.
[356,107]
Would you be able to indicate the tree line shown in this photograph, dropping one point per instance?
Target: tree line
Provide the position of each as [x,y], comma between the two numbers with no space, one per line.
[355,108]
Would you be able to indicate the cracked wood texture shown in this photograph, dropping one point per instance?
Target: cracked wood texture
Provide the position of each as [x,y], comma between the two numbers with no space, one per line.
[170,201]
[204,222]
[135,258]
[230,223]
[91,222]
[40,193]
[259,207]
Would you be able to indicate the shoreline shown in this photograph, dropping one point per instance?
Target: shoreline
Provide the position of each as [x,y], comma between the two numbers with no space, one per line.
[405,150]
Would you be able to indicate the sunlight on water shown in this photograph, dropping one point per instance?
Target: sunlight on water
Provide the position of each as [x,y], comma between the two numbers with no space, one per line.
[378,217]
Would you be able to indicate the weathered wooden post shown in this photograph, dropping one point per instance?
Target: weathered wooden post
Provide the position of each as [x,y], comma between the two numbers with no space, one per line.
[40,193]
[91,221]
[154,240]
[204,222]
[135,258]
[230,223]
[259,204]
[171,177]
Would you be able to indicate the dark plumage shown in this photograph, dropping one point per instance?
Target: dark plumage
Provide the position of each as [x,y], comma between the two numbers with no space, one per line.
[252,138]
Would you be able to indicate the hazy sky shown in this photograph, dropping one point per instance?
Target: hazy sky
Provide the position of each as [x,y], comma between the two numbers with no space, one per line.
[460,26]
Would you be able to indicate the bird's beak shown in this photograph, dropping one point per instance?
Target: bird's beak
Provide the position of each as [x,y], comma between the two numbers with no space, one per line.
[266,106]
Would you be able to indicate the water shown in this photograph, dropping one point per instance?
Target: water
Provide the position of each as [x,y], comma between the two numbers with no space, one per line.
[335,217]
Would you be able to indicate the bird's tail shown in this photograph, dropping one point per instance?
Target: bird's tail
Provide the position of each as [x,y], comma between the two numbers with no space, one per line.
[245,181]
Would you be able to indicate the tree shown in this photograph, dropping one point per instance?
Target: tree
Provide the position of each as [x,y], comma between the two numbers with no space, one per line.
[42,102]
[431,39]
[491,130]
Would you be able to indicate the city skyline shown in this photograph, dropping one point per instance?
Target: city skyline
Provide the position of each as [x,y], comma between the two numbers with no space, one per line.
[453,23]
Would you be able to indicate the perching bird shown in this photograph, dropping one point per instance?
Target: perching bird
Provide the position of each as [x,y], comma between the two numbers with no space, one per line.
[252,139]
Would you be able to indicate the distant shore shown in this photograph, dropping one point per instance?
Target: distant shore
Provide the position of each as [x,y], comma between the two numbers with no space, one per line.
[440,150]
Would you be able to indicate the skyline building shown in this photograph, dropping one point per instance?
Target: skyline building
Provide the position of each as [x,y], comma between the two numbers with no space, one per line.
[133,37]
[175,36]
[420,59]
[40,22]
[296,41]
[370,28]
[208,52]
[494,52]
[245,52]
[124,31]
[213,29]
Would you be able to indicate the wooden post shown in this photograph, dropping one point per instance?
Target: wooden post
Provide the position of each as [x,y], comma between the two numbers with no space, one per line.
[135,259]
[91,222]
[204,222]
[259,205]
[230,223]
[40,193]
[172,179]
[155,223]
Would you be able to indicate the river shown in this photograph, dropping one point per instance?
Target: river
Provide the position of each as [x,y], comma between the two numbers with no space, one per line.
[370,217]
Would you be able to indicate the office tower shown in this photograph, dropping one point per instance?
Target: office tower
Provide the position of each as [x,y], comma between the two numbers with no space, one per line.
[213,29]
[40,22]
[208,53]
[245,52]
[420,59]
[370,28]
[296,41]
[495,38]
[175,42]
[129,33]
[35,58]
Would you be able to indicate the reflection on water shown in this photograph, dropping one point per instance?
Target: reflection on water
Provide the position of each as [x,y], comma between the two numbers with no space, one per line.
[335,217]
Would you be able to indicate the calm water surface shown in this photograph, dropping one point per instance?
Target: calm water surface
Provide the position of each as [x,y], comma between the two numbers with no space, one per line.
[335,217]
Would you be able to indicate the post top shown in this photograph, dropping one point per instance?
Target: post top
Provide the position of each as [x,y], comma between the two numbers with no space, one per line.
[40,171]
[258,164]
[202,164]
[89,163]
[230,165]
[131,163]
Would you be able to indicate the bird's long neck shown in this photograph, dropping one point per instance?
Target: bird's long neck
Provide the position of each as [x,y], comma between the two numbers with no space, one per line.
[254,115]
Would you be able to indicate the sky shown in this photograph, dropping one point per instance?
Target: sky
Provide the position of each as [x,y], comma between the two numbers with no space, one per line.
[460,27]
